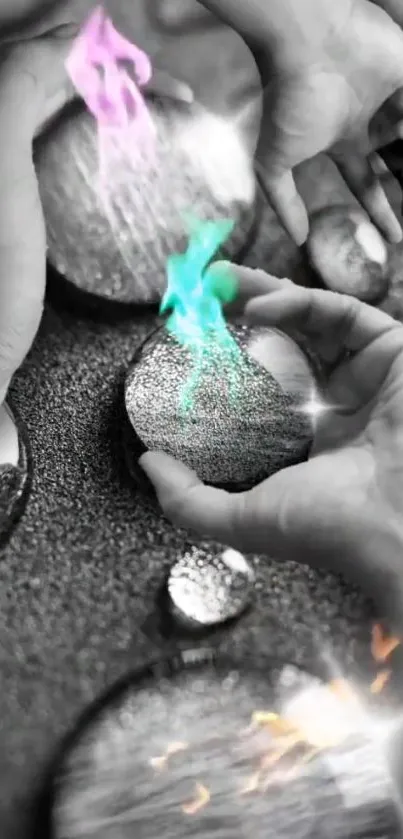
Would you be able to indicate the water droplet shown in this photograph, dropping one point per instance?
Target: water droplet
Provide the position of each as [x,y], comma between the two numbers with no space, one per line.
[206,588]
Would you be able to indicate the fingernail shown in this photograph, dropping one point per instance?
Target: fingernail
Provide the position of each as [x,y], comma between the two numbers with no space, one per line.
[150,466]
[185,94]
[395,234]
[166,473]
[222,282]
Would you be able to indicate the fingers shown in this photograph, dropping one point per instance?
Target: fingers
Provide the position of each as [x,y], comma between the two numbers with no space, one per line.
[282,194]
[235,285]
[245,521]
[387,124]
[162,84]
[366,187]
[318,314]
[247,19]
[176,18]
[22,234]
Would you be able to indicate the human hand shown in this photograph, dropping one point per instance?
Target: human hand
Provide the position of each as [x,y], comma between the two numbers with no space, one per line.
[393,8]
[332,88]
[33,87]
[340,510]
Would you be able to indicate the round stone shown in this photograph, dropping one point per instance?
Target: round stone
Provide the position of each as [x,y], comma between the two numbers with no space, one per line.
[114,247]
[207,588]
[348,253]
[246,421]
[14,470]
[197,746]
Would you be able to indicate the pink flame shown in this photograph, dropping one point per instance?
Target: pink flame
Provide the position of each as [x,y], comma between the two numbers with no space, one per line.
[94,66]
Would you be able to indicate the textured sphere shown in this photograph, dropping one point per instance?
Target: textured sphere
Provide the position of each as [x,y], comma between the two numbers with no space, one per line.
[178,756]
[199,165]
[229,437]
[14,470]
[348,253]
[207,588]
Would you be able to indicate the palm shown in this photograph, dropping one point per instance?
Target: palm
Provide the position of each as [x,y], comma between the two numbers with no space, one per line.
[330,106]
[355,469]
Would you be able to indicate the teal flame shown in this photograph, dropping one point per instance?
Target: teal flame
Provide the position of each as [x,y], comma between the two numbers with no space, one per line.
[195,300]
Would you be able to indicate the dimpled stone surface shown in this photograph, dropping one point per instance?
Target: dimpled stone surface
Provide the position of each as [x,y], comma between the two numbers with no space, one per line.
[348,253]
[208,587]
[199,165]
[225,443]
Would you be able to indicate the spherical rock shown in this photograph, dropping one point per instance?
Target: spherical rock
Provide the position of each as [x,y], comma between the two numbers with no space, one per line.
[244,424]
[348,253]
[111,241]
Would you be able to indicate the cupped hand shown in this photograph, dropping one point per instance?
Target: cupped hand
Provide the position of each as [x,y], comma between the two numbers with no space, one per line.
[36,39]
[333,89]
[340,510]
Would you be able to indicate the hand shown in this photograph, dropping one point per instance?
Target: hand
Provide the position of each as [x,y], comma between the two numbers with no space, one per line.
[340,510]
[33,88]
[393,8]
[333,89]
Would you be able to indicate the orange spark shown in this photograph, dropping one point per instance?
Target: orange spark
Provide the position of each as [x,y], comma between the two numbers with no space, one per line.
[380,681]
[202,797]
[252,785]
[159,763]
[381,645]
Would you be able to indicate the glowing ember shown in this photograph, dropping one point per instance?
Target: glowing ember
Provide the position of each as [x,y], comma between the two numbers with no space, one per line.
[159,763]
[317,719]
[193,720]
[382,646]
[202,797]
[195,298]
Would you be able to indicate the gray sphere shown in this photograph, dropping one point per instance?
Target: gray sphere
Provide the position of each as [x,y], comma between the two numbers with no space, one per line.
[119,252]
[348,253]
[235,441]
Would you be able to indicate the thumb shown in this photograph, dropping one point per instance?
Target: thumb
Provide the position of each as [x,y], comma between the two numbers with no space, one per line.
[22,233]
[248,521]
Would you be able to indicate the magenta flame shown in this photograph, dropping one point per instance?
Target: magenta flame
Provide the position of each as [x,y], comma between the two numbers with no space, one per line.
[95,68]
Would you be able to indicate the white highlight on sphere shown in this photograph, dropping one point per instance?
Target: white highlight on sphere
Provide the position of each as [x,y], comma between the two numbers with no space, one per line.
[236,562]
[371,242]
[215,143]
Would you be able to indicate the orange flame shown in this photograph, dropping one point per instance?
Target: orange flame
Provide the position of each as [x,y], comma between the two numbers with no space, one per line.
[380,681]
[381,645]
[201,798]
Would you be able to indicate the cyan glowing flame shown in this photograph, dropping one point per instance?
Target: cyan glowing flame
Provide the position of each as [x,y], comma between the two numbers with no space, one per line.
[195,301]
[95,68]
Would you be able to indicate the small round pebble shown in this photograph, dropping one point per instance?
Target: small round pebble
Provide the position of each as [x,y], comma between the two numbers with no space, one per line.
[348,253]
[207,588]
